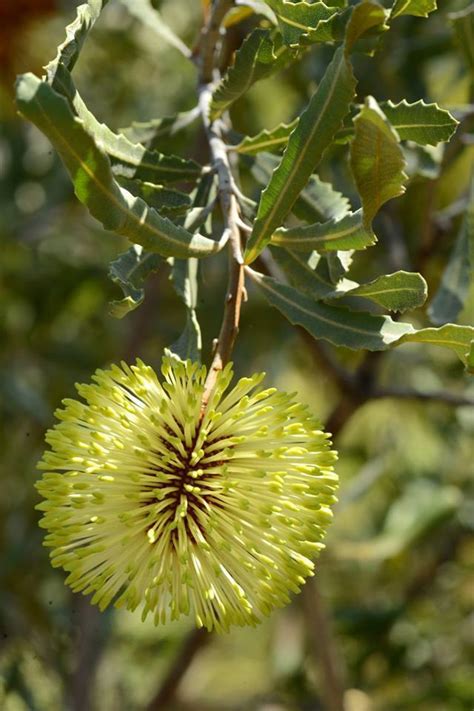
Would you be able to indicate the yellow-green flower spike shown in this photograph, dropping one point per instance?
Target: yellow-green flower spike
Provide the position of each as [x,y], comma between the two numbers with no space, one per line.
[216,513]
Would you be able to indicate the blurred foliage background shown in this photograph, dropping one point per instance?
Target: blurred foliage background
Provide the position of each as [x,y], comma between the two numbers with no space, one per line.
[390,618]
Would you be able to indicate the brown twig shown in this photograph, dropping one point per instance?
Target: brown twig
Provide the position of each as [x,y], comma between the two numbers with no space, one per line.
[192,644]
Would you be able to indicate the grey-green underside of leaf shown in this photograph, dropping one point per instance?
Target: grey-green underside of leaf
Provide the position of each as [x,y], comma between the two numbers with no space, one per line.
[358,330]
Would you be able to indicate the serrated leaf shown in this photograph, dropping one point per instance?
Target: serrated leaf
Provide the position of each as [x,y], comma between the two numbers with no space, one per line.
[350,232]
[463,24]
[313,133]
[367,17]
[399,291]
[259,56]
[317,201]
[301,20]
[452,293]
[159,197]
[338,325]
[419,8]
[310,274]
[358,330]
[76,33]
[149,132]
[129,160]
[377,160]
[142,10]
[130,271]
[426,124]
[267,140]
[93,180]
[456,338]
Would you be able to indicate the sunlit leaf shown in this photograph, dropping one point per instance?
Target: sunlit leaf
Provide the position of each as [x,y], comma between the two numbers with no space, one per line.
[420,8]
[377,160]
[313,133]
[399,291]
[350,232]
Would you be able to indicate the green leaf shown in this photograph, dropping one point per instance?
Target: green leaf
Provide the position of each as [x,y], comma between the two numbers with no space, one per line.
[452,293]
[310,274]
[463,25]
[313,133]
[337,325]
[129,160]
[259,56]
[368,17]
[346,233]
[377,160]
[317,201]
[160,198]
[426,124]
[301,19]
[184,277]
[93,181]
[320,201]
[419,8]
[267,140]
[130,271]
[142,10]
[456,338]
[399,291]
[149,132]
[76,33]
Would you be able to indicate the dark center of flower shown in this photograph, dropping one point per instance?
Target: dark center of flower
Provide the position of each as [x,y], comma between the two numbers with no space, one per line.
[189,479]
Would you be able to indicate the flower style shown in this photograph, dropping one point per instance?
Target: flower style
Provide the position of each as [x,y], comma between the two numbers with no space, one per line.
[216,511]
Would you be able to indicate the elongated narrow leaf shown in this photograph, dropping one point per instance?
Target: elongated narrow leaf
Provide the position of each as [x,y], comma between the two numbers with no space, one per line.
[426,124]
[451,295]
[143,11]
[76,33]
[377,160]
[93,181]
[399,291]
[149,132]
[463,24]
[457,338]
[267,140]
[313,133]
[129,271]
[129,160]
[419,8]
[184,276]
[348,233]
[337,325]
[358,330]
[259,56]
[310,274]
[298,20]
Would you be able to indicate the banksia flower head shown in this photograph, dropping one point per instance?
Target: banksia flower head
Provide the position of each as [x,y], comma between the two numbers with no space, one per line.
[214,511]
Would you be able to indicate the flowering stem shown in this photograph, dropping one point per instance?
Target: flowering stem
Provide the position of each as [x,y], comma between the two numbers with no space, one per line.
[227,196]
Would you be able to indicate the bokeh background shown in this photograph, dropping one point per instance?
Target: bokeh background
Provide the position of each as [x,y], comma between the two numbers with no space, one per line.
[388,623]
